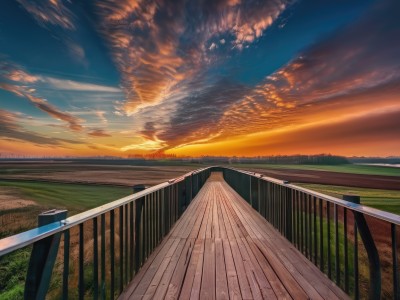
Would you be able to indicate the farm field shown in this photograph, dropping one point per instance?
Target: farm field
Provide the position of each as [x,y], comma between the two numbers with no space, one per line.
[124,175]
[346,168]
[26,189]
[376,179]
[381,199]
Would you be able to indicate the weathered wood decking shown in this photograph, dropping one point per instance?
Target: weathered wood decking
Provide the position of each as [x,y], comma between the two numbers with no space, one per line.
[221,248]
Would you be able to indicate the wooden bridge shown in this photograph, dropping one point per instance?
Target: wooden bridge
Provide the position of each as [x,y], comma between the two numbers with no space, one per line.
[221,248]
[216,233]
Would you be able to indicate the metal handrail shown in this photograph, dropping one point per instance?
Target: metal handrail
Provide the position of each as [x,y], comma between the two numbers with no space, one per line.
[373,212]
[18,241]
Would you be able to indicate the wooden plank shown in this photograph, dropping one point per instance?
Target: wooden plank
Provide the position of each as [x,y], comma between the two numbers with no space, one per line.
[259,285]
[196,286]
[221,289]
[183,263]
[207,290]
[149,283]
[232,279]
[164,282]
[290,284]
[237,258]
[138,277]
[281,272]
[191,270]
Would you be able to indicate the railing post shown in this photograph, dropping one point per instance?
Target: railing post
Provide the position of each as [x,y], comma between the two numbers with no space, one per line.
[289,214]
[372,252]
[138,234]
[43,257]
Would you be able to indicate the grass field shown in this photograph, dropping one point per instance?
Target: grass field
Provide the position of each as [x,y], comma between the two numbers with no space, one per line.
[348,168]
[381,199]
[80,197]
[73,197]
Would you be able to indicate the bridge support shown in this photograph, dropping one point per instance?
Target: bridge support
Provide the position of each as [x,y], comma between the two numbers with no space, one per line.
[43,257]
[375,281]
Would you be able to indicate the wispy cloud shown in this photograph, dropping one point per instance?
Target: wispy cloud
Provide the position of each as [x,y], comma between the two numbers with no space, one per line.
[54,12]
[98,133]
[346,66]
[70,85]
[10,128]
[17,80]
[154,47]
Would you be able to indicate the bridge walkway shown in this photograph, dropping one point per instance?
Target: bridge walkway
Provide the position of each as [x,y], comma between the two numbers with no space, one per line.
[223,249]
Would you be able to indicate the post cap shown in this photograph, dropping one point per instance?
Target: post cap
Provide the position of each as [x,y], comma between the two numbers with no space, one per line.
[52,215]
[352,198]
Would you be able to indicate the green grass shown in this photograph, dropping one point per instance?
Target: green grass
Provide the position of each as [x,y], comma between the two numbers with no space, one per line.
[74,197]
[347,168]
[381,199]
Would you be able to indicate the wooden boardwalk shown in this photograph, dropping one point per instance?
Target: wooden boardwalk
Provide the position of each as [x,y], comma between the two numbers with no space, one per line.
[222,249]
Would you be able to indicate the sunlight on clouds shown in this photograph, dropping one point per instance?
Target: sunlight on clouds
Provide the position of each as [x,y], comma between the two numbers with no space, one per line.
[148,145]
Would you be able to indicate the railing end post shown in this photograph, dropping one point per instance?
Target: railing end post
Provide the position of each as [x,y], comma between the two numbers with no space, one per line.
[375,284]
[43,257]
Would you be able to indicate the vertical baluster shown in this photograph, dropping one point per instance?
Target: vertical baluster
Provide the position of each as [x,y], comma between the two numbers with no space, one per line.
[95,260]
[309,227]
[103,256]
[81,284]
[337,253]
[356,278]
[66,264]
[126,243]
[346,257]
[328,219]
[153,222]
[132,246]
[321,237]
[298,221]
[396,294]
[112,254]
[301,222]
[121,248]
[315,230]
[145,227]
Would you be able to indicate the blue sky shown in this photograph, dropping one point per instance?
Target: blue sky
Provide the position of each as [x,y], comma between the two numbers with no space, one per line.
[197,77]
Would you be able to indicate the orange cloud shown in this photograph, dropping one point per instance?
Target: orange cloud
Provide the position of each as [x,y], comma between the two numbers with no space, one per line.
[98,133]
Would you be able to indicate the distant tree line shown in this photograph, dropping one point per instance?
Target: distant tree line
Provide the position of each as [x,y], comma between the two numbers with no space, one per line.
[320,159]
[375,160]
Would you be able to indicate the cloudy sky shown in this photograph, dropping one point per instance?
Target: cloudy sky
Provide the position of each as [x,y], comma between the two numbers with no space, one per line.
[200,77]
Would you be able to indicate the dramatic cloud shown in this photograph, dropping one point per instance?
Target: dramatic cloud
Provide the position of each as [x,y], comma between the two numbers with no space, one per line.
[349,63]
[19,77]
[157,45]
[10,129]
[158,75]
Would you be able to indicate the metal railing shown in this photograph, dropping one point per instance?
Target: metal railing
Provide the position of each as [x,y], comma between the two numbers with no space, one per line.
[100,250]
[327,230]
[103,248]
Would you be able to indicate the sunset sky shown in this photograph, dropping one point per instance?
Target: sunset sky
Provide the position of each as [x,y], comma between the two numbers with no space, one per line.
[200,77]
